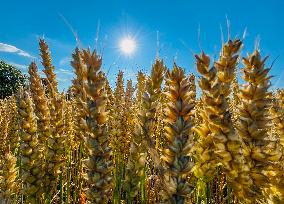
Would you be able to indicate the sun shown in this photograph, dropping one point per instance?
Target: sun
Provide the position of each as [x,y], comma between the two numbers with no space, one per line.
[127,45]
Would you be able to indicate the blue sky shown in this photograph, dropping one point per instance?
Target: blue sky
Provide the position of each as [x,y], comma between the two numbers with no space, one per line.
[177,22]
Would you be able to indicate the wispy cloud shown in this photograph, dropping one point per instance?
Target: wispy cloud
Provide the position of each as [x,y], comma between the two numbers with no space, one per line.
[20,66]
[65,61]
[62,79]
[64,72]
[12,49]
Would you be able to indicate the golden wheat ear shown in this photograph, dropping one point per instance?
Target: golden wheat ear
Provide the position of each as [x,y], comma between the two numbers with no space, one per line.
[147,99]
[260,150]
[129,115]
[140,87]
[276,191]
[277,113]
[79,91]
[120,140]
[110,95]
[9,128]
[31,170]
[8,178]
[179,139]
[98,163]
[42,112]
[229,144]
[217,133]
[203,149]
[48,68]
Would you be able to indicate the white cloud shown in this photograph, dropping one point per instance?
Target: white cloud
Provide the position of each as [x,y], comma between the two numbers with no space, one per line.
[65,61]
[65,71]
[12,49]
[62,79]
[20,66]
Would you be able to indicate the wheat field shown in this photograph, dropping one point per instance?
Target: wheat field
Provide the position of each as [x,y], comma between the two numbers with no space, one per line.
[159,141]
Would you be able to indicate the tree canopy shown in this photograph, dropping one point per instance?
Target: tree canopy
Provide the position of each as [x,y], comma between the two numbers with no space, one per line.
[10,79]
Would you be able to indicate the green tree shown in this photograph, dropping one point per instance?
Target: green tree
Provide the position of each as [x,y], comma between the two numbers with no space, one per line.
[10,79]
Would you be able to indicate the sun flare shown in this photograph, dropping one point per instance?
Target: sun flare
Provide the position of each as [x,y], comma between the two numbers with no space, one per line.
[127,45]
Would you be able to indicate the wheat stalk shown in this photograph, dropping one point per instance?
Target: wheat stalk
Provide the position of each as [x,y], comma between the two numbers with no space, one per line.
[8,179]
[32,171]
[144,129]
[98,163]
[204,147]
[179,139]
[48,68]
[120,139]
[259,150]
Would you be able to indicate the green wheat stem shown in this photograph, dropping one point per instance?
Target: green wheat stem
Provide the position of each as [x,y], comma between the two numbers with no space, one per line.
[61,186]
[68,175]
[143,186]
